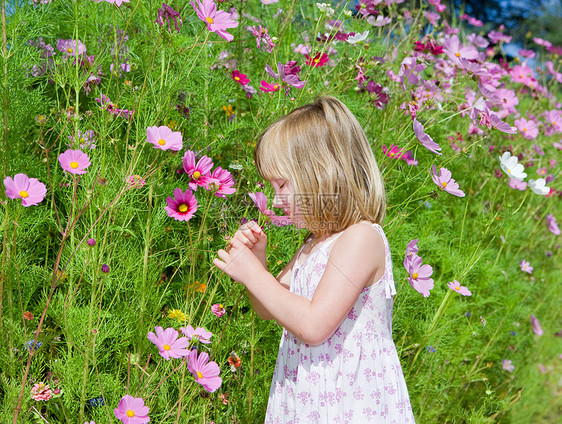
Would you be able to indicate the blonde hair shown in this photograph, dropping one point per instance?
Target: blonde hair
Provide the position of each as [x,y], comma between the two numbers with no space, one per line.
[324,153]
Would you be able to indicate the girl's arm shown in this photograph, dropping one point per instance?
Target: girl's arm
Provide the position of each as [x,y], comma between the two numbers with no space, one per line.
[355,259]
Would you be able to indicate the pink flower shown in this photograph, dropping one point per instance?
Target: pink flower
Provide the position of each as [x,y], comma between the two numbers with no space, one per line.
[132,410]
[164,138]
[517,184]
[425,139]
[30,190]
[168,343]
[412,247]
[205,373]
[536,325]
[524,75]
[115,2]
[455,50]
[136,181]
[269,88]
[196,171]
[318,60]
[445,182]
[393,151]
[408,157]
[182,206]
[218,310]
[198,334]
[240,77]
[71,47]
[260,200]
[527,127]
[456,286]
[220,182]
[217,20]
[542,42]
[552,224]
[526,266]
[41,391]
[507,365]
[74,161]
[261,34]
[419,274]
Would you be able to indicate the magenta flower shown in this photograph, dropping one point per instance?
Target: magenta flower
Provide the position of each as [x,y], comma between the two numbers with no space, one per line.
[205,373]
[445,182]
[425,139]
[132,410]
[419,274]
[70,47]
[456,286]
[552,224]
[171,15]
[168,343]
[182,206]
[269,88]
[164,138]
[260,200]
[218,310]
[197,334]
[240,77]
[196,171]
[507,365]
[217,20]
[317,61]
[260,33]
[74,161]
[393,151]
[31,191]
[220,182]
[526,266]
[536,325]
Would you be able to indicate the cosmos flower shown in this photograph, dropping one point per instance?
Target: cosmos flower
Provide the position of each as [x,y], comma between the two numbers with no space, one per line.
[197,334]
[357,38]
[220,182]
[536,325]
[412,247]
[260,200]
[70,48]
[539,186]
[425,139]
[132,410]
[164,138]
[168,343]
[552,224]
[171,15]
[115,2]
[240,77]
[507,365]
[318,60]
[269,88]
[511,167]
[74,161]
[419,274]
[196,171]
[182,206]
[445,182]
[217,21]
[31,191]
[527,127]
[456,286]
[218,310]
[206,373]
[526,266]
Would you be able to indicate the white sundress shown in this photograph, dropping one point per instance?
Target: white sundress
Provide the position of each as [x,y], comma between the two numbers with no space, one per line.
[353,377]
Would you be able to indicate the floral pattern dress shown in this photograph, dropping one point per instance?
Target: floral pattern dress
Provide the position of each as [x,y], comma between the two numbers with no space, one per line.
[353,377]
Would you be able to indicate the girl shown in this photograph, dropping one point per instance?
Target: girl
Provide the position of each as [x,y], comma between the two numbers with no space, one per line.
[337,362]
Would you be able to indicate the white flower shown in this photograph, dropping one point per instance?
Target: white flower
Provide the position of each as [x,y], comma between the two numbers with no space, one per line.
[539,186]
[511,166]
[353,39]
[325,7]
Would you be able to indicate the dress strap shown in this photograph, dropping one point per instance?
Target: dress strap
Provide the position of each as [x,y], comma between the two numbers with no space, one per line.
[388,278]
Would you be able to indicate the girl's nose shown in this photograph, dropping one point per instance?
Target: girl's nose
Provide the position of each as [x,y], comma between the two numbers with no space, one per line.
[277,201]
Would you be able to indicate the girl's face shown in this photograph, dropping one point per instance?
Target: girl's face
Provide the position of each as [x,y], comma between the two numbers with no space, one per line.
[284,198]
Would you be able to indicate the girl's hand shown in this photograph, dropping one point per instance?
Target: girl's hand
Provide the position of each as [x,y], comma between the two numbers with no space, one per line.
[253,237]
[238,262]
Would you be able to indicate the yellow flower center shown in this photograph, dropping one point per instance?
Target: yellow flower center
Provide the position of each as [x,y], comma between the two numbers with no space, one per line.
[161,142]
[74,165]
[220,305]
[444,184]
[69,50]
[210,20]
[415,275]
[196,175]
[457,288]
[276,86]
[392,154]
[199,375]
[237,78]
[524,129]
[166,347]
[316,60]
[457,54]
[24,194]
[182,208]
[82,140]
[130,413]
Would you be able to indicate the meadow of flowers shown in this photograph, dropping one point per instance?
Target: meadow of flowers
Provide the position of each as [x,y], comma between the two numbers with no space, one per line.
[128,129]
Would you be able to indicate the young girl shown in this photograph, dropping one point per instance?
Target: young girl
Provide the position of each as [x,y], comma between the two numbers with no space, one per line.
[337,362]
